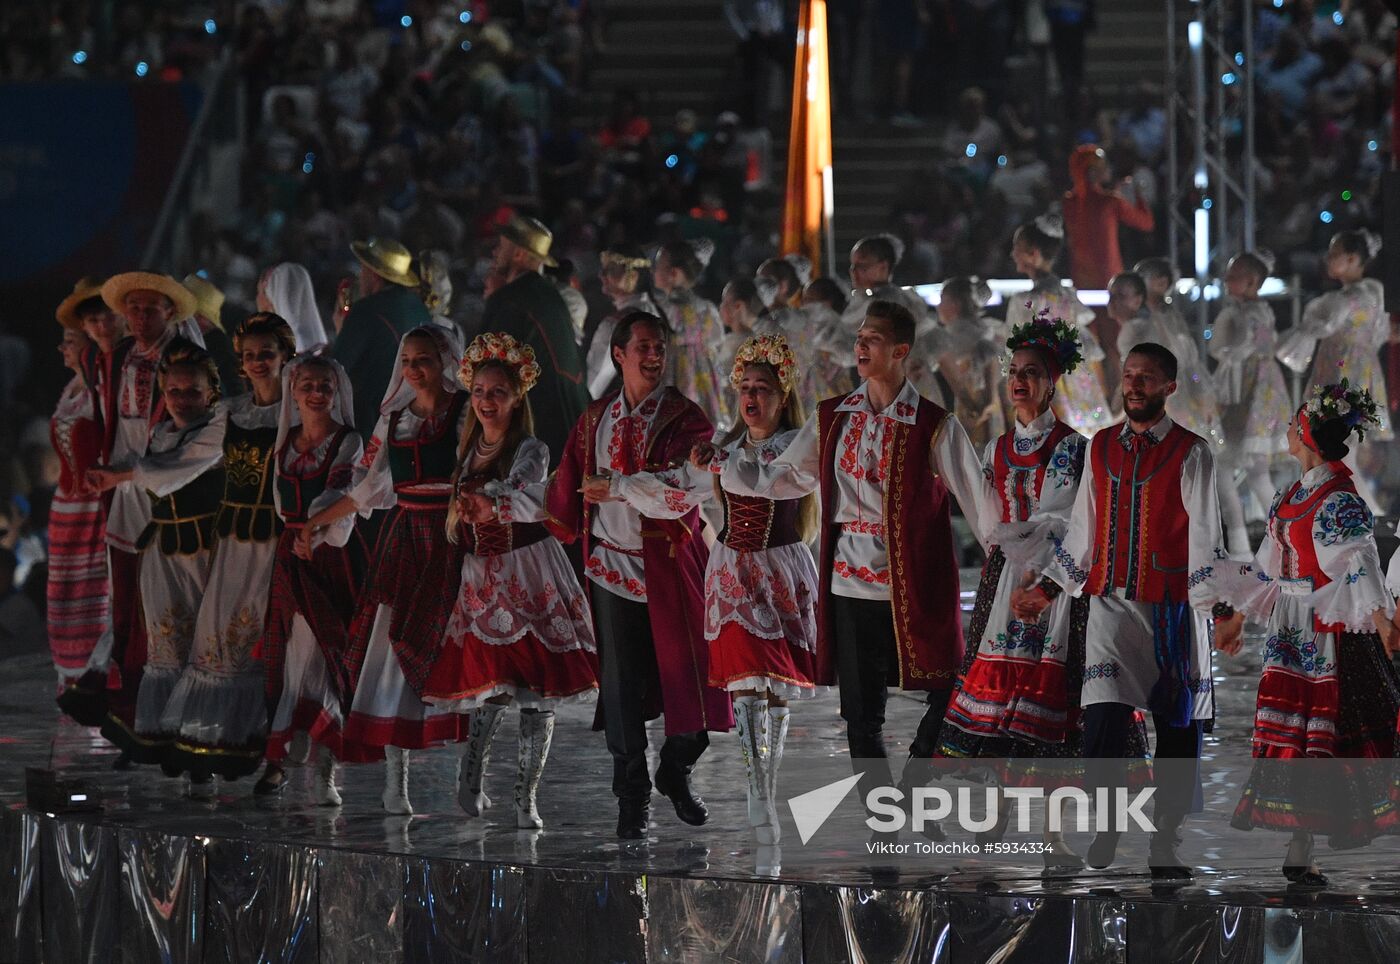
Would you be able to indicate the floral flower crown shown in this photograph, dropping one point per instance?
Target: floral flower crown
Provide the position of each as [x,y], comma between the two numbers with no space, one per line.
[1354,406]
[492,346]
[1053,335]
[766,350]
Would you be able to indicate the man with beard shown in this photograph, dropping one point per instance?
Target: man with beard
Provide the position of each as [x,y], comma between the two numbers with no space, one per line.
[1143,541]
[530,309]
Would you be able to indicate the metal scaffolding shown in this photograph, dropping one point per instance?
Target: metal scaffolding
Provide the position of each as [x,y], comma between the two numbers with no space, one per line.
[1210,135]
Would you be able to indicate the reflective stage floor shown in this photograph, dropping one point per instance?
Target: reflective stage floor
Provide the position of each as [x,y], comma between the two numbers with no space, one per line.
[158,876]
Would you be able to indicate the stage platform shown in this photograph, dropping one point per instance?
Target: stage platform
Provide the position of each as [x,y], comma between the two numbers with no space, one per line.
[156,876]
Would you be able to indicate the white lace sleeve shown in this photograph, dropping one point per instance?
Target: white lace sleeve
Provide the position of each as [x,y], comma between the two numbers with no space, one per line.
[791,475]
[338,480]
[668,494]
[373,486]
[953,457]
[520,495]
[1205,544]
[1072,553]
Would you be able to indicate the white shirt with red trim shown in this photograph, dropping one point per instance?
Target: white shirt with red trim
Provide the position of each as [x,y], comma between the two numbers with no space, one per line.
[615,549]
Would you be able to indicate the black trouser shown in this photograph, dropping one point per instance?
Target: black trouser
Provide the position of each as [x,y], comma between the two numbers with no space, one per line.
[1106,727]
[628,679]
[867,657]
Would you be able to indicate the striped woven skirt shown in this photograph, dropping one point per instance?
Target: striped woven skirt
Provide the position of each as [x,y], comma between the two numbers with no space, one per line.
[77,589]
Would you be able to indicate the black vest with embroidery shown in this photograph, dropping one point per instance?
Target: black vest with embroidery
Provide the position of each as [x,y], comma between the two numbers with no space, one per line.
[495,538]
[247,512]
[428,457]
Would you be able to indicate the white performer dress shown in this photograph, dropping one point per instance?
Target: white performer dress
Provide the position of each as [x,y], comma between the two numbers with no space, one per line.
[1121,663]
[1079,401]
[692,361]
[1255,407]
[1194,404]
[760,587]
[971,363]
[181,472]
[521,625]
[1341,334]
[217,707]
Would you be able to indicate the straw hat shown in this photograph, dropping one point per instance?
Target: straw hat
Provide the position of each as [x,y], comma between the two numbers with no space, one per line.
[530,235]
[67,311]
[388,259]
[117,287]
[209,300]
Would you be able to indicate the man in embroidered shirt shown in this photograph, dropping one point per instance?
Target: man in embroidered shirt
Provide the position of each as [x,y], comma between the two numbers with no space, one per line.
[1143,540]
[647,576]
[885,459]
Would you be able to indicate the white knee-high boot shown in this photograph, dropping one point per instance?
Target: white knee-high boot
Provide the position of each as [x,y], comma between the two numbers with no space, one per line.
[536,733]
[751,717]
[327,795]
[485,721]
[777,738]
[396,781]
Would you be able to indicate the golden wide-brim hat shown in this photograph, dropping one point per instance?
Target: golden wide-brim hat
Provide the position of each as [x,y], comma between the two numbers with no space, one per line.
[117,287]
[388,259]
[530,235]
[67,311]
[209,300]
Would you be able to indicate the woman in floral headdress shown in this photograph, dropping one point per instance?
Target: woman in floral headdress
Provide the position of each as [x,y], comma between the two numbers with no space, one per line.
[1018,691]
[520,630]
[1328,690]
[760,584]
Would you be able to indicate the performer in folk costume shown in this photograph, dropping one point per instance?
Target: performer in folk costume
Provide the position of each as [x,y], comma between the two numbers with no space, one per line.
[217,707]
[1342,332]
[1328,689]
[886,460]
[647,576]
[620,275]
[697,334]
[77,587]
[1194,406]
[872,267]
[1254,406]
[394,639]
[520,630]
[962,349]
[1143,541]
[182,476]
[1080,400]
[307,628]
[760,582]
[1018,691]
[131,405]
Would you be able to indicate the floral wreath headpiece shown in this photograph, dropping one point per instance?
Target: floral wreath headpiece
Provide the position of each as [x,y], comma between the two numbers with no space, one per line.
[1057,337]
[1353,405]
[766,350]
[493,346]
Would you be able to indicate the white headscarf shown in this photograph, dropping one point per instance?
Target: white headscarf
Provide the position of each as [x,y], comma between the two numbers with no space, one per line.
[449,346]
[342,406]
[288,287]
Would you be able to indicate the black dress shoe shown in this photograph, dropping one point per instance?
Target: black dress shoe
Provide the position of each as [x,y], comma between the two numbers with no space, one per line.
[1103,850]
[1163,860]
[633,817]
[675,786]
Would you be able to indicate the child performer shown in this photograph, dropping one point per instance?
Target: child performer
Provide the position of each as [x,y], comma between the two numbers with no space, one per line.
[886,460]
[307,629]
[1342,332]
[217,707]
[760,583]
[1328,689]
[1079,398]
[1018,693]
[698,332]
[1253,397]
[520,630]
[407,467]
[182,473]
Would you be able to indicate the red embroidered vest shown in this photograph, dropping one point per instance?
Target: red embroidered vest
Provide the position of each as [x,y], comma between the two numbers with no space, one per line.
[919,539]
[1291,525]
[1018,478]
[1140,544]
